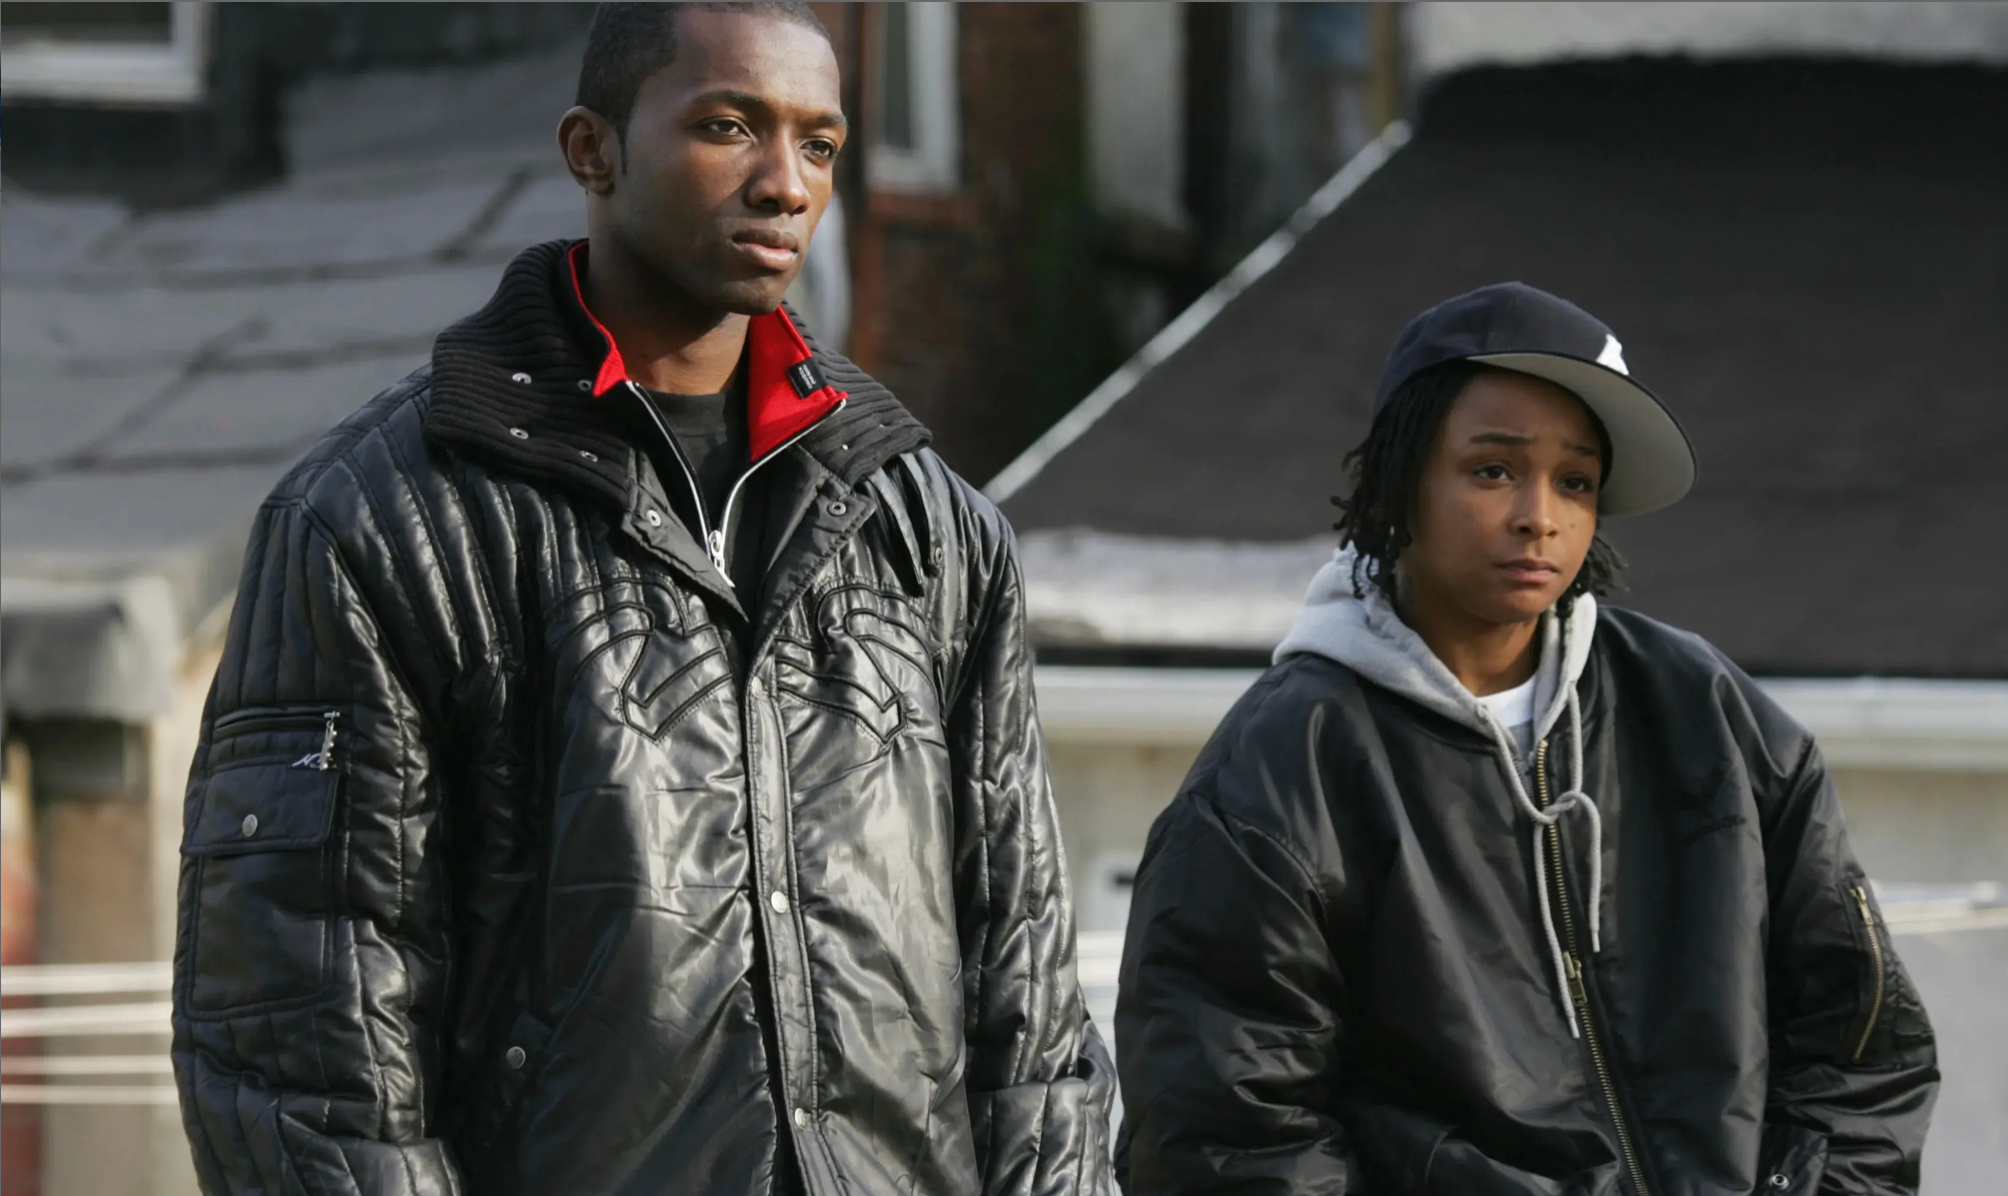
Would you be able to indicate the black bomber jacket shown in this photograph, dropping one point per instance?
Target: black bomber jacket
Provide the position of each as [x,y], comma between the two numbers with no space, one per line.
[1338,979]
[524,857]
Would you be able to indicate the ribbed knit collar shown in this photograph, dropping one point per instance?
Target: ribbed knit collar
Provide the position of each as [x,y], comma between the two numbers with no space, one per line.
[514,385]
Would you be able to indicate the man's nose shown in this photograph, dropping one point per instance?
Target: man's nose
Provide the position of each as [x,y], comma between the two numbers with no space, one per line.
[778,183]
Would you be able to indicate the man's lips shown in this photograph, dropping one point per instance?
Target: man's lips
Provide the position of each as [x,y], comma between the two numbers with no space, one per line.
[770,248]
[1532,571]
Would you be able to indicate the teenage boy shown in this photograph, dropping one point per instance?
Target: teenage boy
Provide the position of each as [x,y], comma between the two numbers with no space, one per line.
[622,776]
[1484,888]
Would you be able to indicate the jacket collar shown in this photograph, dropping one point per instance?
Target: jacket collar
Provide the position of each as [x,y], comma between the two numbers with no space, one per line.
[518,385]
[786,390]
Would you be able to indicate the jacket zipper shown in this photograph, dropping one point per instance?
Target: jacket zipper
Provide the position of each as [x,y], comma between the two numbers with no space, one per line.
[714,542]
[732,495]
[1876,954]
[1579,994]
[714,538]
[252,722]
[323,760]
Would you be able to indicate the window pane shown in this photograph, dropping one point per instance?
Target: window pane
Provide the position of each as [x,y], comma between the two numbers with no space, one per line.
[896,79]
[148,24]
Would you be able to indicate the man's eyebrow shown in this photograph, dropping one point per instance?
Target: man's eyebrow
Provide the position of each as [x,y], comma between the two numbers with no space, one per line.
[760,104]
[1513,439]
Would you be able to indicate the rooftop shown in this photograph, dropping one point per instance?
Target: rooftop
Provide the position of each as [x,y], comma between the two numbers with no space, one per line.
[1804,258]
[163,368]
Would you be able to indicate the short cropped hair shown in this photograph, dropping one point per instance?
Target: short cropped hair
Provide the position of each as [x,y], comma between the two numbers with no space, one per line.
[629,42]
[1387,470]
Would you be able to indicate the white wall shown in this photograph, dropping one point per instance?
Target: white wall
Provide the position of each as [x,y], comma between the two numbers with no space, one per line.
[1907,825]
[1927,827]
[1447,36]
[1108,795]
[1135,65]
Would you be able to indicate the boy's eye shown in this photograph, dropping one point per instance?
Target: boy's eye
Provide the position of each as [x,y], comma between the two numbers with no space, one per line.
[1492,473]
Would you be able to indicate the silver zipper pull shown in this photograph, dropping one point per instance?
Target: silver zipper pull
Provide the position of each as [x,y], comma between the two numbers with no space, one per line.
[715,540]
[324,759]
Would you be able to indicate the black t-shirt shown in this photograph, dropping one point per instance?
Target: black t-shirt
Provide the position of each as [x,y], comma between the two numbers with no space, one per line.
[710,433]
[710,430]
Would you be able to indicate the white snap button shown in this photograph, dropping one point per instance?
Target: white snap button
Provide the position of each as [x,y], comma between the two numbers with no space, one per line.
[250,825]
[1779,1181]
[589,454]
[801,1118]
[519,434]
[585,386]
[654,518]
[778,900]
[522,378]
[515,1057]
[837,508]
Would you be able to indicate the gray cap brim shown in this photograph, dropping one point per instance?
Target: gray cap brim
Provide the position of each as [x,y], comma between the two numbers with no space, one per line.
[1653,465]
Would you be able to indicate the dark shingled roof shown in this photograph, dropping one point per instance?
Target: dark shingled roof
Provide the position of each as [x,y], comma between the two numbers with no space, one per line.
[1807,260]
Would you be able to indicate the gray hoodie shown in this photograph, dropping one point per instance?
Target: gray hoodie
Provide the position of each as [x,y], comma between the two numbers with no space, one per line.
[1367,636]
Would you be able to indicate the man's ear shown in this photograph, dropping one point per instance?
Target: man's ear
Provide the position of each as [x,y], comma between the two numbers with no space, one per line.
[591,148]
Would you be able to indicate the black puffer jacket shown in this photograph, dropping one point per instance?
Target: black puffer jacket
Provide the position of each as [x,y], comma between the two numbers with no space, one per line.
[512,865]
[1338,979]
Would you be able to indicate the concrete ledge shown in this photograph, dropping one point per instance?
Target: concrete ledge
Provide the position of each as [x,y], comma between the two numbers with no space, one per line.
[1881,722]
[1866,722]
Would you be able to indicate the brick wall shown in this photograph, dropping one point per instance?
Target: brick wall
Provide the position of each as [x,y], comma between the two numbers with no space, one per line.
[978,308]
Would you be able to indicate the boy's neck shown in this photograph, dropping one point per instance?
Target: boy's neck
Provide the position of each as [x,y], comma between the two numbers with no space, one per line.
[1486,658]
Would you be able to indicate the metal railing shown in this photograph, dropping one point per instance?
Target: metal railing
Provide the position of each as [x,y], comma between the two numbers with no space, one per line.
[96,1004]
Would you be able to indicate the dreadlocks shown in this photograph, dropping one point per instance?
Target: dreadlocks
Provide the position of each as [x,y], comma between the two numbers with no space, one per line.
[1387,470]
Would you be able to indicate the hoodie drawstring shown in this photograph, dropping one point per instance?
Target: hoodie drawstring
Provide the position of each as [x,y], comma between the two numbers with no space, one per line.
[1571,800]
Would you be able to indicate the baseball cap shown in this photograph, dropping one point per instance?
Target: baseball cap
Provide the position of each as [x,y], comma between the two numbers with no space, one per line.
[1513,326]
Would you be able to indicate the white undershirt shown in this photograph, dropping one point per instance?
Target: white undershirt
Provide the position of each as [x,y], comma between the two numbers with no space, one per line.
[1514,709]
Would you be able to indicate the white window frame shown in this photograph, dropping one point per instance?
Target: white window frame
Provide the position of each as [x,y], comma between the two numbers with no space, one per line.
[934,163]
[114,73]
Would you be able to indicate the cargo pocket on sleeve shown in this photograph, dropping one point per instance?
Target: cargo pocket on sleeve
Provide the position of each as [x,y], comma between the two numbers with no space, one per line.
[258,835]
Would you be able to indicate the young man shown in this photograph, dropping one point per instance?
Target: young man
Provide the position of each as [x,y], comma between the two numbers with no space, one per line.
[622,774]
[1484,888]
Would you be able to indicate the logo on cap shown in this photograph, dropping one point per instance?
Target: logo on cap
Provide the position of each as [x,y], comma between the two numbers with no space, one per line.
[1613,355]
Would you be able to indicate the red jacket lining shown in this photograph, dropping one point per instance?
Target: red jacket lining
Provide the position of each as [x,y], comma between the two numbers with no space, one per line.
[774,412]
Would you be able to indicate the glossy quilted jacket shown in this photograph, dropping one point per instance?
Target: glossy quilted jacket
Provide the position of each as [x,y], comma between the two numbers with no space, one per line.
[511,866]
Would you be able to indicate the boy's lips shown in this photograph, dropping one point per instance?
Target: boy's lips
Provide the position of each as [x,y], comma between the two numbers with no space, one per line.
[769,248]
[1531,571]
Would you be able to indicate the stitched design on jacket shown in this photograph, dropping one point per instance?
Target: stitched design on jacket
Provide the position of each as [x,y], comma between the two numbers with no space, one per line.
[863,659]
[665,670]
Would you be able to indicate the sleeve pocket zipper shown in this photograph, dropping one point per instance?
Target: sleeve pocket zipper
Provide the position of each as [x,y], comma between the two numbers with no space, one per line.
[324,759]
[251,722]
[260,799]
[1876,956]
